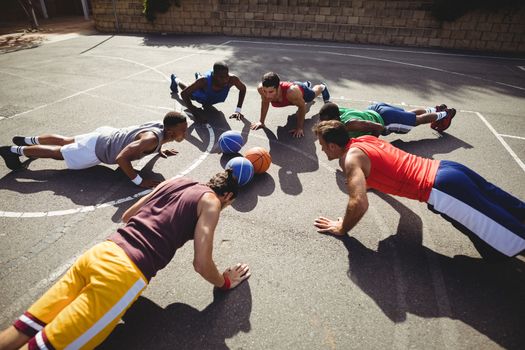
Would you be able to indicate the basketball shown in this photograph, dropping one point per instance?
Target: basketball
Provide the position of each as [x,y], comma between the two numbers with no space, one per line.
[242,169]
[260,158]
[231,141]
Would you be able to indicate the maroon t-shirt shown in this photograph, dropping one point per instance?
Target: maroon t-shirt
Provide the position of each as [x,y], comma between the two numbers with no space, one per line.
[162,225]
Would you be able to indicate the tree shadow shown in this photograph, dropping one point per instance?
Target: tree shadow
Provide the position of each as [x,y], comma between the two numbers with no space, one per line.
[146,325]
[403,277]
[294,156]
[427,148]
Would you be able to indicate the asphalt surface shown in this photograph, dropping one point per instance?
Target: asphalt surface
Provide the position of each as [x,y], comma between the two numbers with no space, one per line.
[403,278]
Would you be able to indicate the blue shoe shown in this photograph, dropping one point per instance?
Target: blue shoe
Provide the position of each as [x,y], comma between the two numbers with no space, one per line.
[325,93]
[174,86]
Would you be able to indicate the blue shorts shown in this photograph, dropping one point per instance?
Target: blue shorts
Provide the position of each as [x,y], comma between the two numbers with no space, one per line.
[396,119]
[207,99]
[492,215]
[308,94]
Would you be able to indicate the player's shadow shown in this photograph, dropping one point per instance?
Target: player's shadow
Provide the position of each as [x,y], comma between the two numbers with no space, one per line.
[219,124]
[404,277]
[86,187]
[146,325]
[293,156]
[427,148]
[260,185]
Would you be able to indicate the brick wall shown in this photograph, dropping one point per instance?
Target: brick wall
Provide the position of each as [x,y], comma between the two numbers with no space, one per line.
[394,22]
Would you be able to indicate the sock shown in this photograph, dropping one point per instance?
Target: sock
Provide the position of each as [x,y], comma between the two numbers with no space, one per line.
[323,86]
[18,150]
[430,109]
[31,140]
[441,115]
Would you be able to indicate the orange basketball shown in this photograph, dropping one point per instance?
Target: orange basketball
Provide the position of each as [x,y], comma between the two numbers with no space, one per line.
[260,158]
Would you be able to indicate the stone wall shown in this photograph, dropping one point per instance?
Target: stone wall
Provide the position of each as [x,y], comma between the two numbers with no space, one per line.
[395,22]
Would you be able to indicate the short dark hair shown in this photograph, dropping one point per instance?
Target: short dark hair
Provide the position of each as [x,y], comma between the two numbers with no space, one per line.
[329,111]
[224,182]
[220,67]
[332,131]
[173,118]
[271,79]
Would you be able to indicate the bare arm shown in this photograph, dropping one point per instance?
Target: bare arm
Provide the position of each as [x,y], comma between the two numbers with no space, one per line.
[356,164]
[189,90]
[209,208]
[265,105]
[364,126]
[295,96]
[145,143]
[242,90]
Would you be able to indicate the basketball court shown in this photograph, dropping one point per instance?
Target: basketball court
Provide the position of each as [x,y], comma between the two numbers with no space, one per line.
[403,277]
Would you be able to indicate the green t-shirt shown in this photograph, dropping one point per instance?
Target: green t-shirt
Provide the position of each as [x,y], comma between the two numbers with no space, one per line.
[348,114]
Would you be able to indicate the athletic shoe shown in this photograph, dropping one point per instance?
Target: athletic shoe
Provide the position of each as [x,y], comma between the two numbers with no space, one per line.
[11,160]
[174,86]
[198,75]
[443,124]
[20,141]
[309,84]
[442,107]
[325,93]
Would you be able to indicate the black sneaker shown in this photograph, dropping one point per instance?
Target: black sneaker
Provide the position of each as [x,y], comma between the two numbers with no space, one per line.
[309,84]
[174,86]
[11,160]
[20,141]
[441,108]
[325,93]
[198,75]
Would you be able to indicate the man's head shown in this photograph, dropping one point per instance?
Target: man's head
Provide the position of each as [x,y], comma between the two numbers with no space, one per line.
[175,126]
[333,137]
[329,111]
[221,75]
[225,185]
[270,84]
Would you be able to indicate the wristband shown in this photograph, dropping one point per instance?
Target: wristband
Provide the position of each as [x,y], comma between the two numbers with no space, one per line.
[227,282]
[137,180]
[238,110]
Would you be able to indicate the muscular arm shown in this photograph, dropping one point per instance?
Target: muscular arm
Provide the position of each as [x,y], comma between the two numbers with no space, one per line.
[265,105]
[356,166]
[145,143]
[242,89]
[186,93]
[364,126]
[209,209]
[295,96]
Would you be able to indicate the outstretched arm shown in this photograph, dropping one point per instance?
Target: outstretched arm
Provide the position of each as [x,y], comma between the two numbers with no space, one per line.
[364,126]
[265,105]
[209,208]
[356,164]
[242,93]
[188,92]
[295,96]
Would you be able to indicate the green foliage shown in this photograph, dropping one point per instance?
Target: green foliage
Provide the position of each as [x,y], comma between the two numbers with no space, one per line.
[450,10]
[152,7]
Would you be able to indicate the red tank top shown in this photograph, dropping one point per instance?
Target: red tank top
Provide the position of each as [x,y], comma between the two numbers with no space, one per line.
[396,172]
[161,226]
[285,85]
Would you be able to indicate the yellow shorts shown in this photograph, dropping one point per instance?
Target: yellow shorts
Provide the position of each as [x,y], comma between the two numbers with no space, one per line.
[86,304]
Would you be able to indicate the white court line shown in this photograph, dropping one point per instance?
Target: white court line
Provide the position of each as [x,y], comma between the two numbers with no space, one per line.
[375,49]
[521,67]
[500,139]
[512,136]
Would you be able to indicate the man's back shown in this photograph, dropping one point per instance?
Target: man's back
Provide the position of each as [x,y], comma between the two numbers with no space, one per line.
[162,225]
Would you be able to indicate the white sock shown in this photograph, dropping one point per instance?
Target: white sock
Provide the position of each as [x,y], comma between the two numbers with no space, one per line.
[31,140]
[323,87]
[430,109]
[441,115]
[18,150]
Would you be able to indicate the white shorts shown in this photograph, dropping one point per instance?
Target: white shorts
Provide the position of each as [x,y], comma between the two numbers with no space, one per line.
[81,153]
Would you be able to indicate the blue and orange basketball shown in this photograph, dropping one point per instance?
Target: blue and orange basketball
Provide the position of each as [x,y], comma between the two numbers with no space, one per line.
[260,158]
[242,169]
[231,141]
